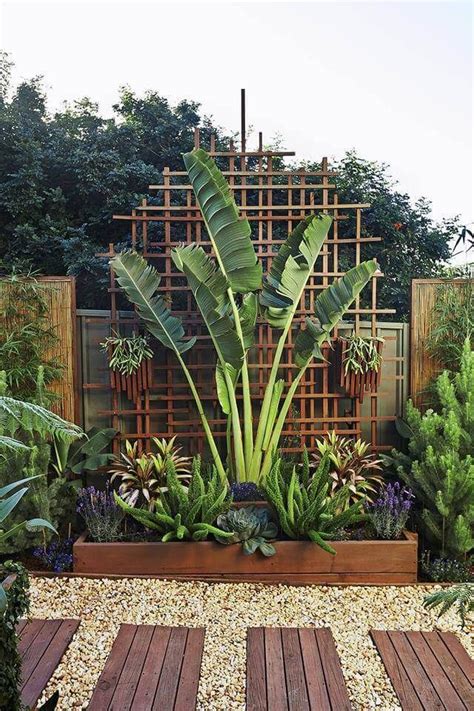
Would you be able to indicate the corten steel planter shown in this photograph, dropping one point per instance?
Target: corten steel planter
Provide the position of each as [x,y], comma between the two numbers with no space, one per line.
[295,562]
[355,384]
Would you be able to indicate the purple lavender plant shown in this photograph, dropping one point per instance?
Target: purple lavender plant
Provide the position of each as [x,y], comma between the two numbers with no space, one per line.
[102,516]
[56,556]
[389,513]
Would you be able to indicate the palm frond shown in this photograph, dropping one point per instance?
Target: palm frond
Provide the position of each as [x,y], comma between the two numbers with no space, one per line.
[17,415]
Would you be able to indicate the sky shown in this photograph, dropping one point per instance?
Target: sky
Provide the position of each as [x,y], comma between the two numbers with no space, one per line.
[392,80]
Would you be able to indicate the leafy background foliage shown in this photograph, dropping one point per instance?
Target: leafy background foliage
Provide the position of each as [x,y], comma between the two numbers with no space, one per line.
[63,176]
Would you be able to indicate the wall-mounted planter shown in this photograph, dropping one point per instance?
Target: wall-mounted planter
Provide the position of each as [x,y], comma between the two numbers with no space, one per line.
[295,562]
[355,384]
[135,384]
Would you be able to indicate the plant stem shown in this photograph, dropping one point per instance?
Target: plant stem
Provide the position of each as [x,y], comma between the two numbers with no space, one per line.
[267,399]
[212,445]
[248,415]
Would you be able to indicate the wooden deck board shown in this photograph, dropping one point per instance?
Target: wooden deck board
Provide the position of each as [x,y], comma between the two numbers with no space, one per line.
[151,667]
[428,670]
[42,644]
[294,668]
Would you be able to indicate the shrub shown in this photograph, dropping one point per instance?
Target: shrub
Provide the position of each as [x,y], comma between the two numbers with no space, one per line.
[440,465]
[447,570]
[10,659]
[304,507]
[389,513]
[56,556]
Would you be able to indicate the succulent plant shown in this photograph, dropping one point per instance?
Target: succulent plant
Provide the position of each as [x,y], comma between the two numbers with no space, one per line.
[250,526]
[143,476]
[185,512]
[351,465]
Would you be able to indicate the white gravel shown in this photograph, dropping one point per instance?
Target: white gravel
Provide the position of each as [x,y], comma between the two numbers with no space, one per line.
[226,610]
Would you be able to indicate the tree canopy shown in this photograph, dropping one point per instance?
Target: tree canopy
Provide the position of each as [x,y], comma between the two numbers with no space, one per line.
[63,175]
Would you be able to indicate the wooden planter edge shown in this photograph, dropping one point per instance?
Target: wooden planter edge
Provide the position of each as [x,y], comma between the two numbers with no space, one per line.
[296,562]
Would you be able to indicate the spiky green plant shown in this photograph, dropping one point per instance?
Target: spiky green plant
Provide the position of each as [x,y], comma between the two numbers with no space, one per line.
[185,513]
[228,291]
[304,507]
[251,526]
[440,465]
[460,595]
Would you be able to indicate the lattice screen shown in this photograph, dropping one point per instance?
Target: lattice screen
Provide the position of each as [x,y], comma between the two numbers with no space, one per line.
[274,199]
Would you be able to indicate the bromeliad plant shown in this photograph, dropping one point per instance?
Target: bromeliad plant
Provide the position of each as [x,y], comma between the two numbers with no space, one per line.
[127,353]
[185,513]
[361,354]
[251,526]
[143,476]
[351,465]
[304,507]
[229,293]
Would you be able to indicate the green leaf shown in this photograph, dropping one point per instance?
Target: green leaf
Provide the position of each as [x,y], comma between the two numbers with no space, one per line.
[221,386]
[330,307]
[209,287]
[34,523]
[248,313]
[292,267]
[7,505]
[229,234]
[140,282]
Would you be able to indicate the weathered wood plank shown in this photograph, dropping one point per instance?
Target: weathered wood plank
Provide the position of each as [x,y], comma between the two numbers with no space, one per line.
[401,682]
[171,670]
[315,682]
[456,663]
[295,679]
[275,670]
[151,672]
[105,688]
[435,672]
[189,679]
[331,664]
[256,675]
[126,686]
[49,660]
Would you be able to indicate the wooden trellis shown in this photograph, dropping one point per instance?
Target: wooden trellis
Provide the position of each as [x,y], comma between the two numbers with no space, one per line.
[274,198]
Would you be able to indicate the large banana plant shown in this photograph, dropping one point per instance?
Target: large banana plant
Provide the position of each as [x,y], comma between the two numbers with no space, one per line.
[230,294]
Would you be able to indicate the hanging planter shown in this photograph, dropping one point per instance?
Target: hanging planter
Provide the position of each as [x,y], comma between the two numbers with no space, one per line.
[358,364]
[129,363]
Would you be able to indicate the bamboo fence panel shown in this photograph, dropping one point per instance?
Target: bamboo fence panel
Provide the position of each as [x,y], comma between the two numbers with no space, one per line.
[423,367]
[59,294]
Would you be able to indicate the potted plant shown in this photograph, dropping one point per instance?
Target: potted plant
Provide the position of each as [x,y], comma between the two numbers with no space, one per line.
[129,363]
[358,364]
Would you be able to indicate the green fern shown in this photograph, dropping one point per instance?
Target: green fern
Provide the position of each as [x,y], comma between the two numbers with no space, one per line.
[460,595]
[185,512]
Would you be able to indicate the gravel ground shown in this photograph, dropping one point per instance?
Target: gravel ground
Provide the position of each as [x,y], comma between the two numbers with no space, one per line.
[226,610]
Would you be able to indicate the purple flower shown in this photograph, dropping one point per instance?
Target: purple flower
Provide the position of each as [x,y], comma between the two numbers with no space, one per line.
[101,514]
[389,513]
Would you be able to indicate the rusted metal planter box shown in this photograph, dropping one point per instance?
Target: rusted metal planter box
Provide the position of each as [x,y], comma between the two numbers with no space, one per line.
[295,562]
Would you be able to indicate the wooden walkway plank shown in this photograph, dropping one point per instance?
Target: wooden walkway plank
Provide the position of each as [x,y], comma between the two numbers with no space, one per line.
[428,670]
[125,689]
[189,681]
[42,644]
[105,688]
[294,669]
[313,669]
[171,670]
[335,682]
[256,675]
[151,667]
[150,677]
[296,691]
[48,662]
[275,670]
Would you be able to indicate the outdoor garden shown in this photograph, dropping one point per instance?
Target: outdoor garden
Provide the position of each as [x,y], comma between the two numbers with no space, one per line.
[237,446]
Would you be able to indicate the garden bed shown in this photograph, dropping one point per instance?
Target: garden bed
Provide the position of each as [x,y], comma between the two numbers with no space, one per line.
[295,562]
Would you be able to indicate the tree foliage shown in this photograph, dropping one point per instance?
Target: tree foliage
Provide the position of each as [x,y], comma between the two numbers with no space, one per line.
[63,175]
